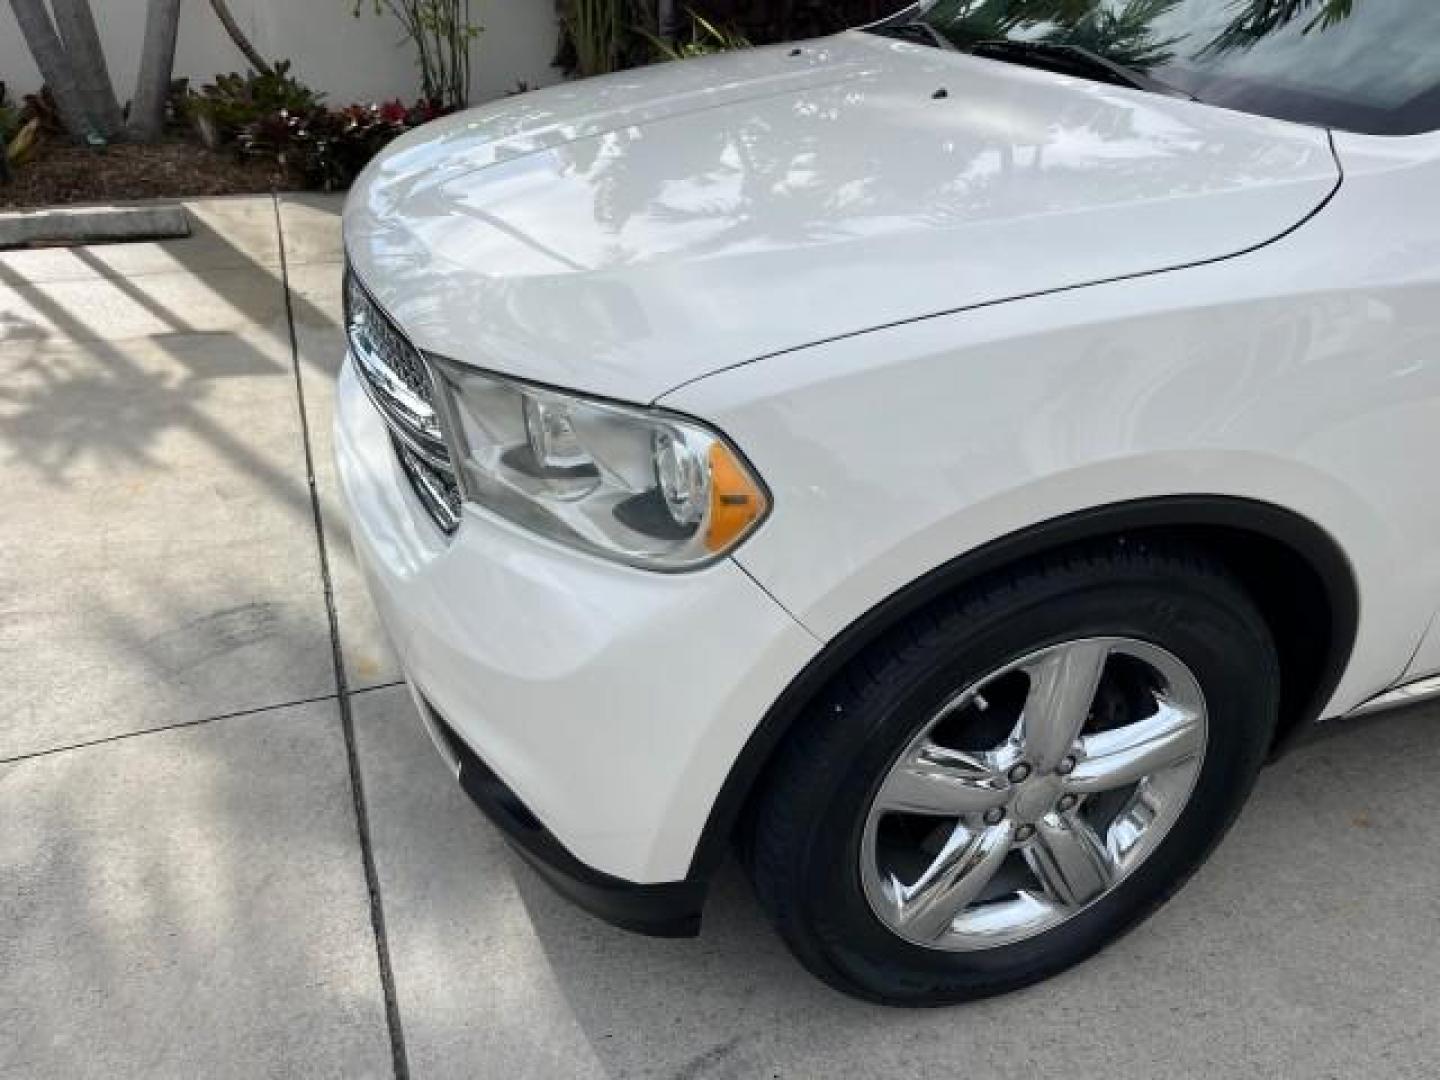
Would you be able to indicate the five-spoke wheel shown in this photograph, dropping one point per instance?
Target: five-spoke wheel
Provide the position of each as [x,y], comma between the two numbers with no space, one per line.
[1014,838]
[1017,774]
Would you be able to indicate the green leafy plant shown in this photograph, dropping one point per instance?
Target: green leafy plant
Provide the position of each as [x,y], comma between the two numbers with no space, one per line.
[325,149]
[42,110]
[442,32]
[764,21]
[705,39]
[222,109]
[596,30]
[599,36]
[1256,19]
[24,129]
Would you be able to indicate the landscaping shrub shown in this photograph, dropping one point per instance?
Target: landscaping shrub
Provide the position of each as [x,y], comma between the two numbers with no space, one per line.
[768,20]
[605,35]
[41,109]
[274,116]
[325,149]
[704,39]
[23,129]
[223,109]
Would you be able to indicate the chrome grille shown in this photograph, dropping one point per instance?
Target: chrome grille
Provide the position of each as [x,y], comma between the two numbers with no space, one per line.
[436,488]
[397,378]
[374,334]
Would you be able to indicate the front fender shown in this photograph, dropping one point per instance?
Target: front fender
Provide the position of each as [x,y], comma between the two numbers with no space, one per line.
[893,452]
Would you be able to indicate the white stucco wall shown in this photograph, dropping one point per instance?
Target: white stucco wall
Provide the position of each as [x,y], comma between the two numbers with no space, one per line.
[348,59]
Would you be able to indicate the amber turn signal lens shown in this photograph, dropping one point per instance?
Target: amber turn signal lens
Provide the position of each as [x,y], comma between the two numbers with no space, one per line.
[736,501]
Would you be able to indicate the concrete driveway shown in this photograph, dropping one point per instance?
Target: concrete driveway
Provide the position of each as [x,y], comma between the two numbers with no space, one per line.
[227,849]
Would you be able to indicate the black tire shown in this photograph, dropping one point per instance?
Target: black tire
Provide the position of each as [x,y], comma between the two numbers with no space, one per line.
[809,816]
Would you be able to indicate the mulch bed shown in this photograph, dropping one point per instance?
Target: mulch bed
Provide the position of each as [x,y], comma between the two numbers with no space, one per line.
[60,174]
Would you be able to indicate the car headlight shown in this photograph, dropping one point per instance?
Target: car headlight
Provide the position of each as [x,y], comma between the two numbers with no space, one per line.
[637,485]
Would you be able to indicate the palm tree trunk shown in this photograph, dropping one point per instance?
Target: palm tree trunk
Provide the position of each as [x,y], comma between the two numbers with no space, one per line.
[76,24]
[55,67]
[227,20]
[157,64]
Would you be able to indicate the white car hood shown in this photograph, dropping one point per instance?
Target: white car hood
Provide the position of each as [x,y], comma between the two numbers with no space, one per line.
[626,235]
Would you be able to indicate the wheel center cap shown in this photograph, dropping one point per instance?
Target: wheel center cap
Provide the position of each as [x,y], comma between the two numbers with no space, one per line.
[1035,797]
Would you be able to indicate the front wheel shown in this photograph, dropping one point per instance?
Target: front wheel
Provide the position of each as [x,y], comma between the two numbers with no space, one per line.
[1016,776]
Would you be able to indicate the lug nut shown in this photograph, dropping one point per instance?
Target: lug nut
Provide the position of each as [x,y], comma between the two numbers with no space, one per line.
[994,816]
[1066,767]
[1019,773]
[1067,802]
[1025,832]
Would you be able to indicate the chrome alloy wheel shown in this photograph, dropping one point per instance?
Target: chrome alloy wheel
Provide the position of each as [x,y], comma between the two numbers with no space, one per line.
[1033,793]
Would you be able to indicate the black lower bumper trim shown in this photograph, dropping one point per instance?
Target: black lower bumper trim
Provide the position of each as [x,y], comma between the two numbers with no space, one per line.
[670,909]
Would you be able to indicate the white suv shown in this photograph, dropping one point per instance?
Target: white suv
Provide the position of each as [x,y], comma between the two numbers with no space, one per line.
[945,459]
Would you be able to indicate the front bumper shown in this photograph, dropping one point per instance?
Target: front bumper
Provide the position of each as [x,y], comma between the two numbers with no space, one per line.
[669,909]
[610,702]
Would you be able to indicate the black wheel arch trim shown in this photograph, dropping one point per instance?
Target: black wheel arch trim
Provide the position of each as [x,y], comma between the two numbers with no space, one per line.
[1313,544]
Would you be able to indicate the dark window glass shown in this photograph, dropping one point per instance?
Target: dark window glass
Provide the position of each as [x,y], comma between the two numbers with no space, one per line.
[1360,65]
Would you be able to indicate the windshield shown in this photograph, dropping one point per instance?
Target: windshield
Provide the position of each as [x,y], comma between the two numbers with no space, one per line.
[1360,65]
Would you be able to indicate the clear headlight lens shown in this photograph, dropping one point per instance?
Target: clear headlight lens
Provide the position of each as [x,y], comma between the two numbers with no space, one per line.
[639,486]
